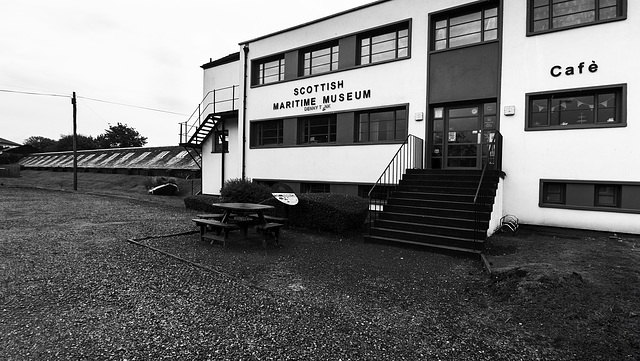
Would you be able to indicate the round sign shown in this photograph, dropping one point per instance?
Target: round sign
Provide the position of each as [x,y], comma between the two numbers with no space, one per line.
[284,194]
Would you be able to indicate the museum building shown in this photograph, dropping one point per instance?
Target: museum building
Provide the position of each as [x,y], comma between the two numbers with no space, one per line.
[532,97]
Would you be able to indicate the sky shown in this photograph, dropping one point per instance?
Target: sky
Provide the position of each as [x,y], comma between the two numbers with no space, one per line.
[135,62]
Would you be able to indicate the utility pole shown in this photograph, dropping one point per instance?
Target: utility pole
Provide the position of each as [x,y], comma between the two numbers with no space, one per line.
[75,144]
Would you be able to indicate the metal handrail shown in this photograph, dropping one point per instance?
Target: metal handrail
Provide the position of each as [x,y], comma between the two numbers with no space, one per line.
[206,107]
[408,156]
[480,198]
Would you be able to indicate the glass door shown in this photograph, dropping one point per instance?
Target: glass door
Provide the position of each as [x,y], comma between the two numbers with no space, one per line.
[461,135]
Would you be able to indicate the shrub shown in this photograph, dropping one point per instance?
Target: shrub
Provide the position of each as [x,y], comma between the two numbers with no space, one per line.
[324,211]
[202,203]
[244,191]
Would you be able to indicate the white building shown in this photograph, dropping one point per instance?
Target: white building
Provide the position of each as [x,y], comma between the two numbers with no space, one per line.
[326,105]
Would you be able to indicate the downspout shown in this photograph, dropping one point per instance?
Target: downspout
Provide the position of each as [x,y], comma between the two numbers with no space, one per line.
[244,111]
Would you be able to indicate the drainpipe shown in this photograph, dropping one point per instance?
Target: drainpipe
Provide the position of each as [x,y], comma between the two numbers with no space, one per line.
[244,110]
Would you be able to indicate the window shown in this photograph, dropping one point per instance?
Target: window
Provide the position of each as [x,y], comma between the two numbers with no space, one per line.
[315,188]
[320,60]
[220,141]
[455,30]
[267,133]
[589,195]
[553,193]
[269,71]
[589,108]
[547,15]
[381,125]
[386,44]
[607,195]
[321,129]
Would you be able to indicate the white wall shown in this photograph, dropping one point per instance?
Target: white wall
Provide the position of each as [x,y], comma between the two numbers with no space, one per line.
[607,154]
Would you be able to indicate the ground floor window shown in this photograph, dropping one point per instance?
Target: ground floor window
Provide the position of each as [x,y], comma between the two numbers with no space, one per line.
[590,195]
[607,195]
[381,125]
[581,108]
[315,188]
[553,192]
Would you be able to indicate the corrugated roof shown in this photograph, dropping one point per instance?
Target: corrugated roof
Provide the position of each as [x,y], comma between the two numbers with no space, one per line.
[127,158]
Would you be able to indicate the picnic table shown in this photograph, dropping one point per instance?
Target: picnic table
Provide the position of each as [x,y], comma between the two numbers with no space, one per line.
[238,216]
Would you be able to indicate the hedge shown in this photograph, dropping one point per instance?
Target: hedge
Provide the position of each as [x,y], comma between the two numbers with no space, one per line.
[332,212]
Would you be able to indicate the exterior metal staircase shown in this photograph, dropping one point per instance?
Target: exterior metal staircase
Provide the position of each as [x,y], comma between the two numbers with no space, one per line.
[216,106]
[447,210]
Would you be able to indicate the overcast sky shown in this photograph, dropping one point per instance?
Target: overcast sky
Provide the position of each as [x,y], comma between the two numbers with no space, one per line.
[142,53]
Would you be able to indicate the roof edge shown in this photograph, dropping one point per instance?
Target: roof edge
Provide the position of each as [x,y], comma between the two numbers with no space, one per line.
[315,21]
[222,61]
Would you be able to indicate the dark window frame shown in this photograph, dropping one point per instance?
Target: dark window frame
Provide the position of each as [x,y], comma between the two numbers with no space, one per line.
[220,141]
[306,133]
[307,187]
[358,119]
[583,195]
[369,36]
[619,111]
[257,131]
[533,5]
[560,193]
[616,196]
[259,69]
[455,13]
[333,48]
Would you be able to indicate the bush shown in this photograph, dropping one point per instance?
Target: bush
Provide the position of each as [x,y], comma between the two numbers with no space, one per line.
[202,203]
[324,211]
[244,191]
[332,212]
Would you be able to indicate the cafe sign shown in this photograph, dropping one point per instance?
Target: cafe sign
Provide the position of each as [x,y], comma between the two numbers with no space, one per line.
[320,97]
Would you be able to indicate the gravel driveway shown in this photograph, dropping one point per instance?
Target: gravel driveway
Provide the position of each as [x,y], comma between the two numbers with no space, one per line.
[73,287]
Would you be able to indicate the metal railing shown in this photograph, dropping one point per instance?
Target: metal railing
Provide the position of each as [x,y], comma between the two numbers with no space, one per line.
[215,101]
[409,156]
[484,194]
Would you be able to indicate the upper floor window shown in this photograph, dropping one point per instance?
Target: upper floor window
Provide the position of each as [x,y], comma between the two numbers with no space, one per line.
[319,129]
[269,71]
[456,29]
[590,108]
[385,44]
[545,15]
[381,125]
[320,60]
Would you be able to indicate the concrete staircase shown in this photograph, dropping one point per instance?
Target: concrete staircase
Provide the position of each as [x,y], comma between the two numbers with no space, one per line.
[435,208]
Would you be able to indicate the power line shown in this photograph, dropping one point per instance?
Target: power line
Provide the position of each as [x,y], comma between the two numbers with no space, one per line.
[95,100]
[34,93]
[133,106]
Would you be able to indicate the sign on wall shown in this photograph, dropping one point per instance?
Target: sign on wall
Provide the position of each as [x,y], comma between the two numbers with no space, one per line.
[320,97]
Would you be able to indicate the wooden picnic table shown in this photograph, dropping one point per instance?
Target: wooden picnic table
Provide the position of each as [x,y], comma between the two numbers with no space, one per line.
[242,216]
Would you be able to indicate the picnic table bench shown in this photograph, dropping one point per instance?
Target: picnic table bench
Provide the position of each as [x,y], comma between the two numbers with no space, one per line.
[220,229]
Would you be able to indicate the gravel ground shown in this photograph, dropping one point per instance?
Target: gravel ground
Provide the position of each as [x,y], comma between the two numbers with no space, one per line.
[81,277]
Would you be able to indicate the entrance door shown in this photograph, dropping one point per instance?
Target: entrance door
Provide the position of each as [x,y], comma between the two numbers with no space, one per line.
[461,134]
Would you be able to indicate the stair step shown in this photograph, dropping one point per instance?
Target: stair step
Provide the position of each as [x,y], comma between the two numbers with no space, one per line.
[438,204]
[433,196]
[425,244]
[440,230]
[427,238]
[428,211]
[436,220]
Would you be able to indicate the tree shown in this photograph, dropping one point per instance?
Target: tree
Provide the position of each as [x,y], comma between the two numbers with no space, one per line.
[83,143]
[120,136]
[42,144]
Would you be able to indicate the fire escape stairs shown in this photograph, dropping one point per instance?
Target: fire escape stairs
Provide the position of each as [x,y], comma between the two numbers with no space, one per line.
[194,145]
